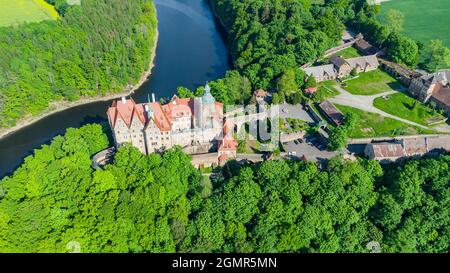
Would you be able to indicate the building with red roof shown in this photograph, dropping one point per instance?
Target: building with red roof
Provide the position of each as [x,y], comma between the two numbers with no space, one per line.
[186,122]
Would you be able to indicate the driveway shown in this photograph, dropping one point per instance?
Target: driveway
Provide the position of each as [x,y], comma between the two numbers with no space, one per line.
[294,111]
[365,103]
[309,147]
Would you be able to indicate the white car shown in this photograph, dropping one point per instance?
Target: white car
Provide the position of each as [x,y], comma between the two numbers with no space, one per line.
[292,153]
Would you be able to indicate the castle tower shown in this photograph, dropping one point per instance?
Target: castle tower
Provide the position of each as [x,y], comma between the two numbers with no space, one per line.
[208,106]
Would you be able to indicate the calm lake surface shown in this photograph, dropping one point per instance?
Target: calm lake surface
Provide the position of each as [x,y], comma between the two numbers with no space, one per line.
[191,51]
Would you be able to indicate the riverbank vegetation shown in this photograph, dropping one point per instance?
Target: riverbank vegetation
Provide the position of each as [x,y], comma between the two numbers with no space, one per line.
[55,202]
[95,48]
[270,38]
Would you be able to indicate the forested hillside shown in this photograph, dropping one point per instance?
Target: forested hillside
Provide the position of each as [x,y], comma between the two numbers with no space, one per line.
[159,203]
[270,38]
[97,47]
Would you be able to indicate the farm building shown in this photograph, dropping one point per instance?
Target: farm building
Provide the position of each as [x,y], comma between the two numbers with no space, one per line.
[341,67]
[331,112]
[384,151]
[361,64]
[407,147]
[365,47]
[433,88]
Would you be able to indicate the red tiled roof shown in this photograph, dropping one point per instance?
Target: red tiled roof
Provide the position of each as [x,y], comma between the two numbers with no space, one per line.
[414,146]
[223,157]
[126,110]
[332,112]
[310,90]
[260,93]
[159,117]
[442,95]
[179,108]
[387,150]
[163,115]
[228,145]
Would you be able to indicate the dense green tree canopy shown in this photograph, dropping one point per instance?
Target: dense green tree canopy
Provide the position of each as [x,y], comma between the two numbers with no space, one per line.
[56,201]
[95,48]
[339,135]
[139,203]
[266,38]
[160,203]
[436,56]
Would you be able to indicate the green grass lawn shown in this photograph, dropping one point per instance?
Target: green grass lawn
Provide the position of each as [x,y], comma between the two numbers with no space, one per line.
[424,19]
[372,82]
[325,90]
[347,53]
[406,107]
[14,12]
[374,125]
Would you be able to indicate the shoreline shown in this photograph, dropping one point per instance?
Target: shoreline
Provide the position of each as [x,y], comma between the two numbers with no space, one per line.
[59,106]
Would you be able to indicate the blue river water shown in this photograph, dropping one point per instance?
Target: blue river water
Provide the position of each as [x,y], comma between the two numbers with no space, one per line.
[191,51]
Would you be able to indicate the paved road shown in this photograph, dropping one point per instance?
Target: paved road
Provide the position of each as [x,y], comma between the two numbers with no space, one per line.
[365,103]
[310,148]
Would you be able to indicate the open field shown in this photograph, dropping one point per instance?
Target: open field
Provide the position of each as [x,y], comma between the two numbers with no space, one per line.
[371,83]
[374,125]
[408,108]
[14,12]
[424,19]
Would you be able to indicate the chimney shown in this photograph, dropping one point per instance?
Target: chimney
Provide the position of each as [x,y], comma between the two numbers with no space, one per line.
[124,100]
[153,97]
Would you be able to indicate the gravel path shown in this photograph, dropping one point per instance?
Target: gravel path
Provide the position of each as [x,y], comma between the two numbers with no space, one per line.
[365,103]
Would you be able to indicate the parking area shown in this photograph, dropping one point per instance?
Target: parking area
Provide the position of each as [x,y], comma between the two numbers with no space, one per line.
[294,111]
[310,147]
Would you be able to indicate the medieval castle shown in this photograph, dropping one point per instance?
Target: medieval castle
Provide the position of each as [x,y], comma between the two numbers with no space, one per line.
[195,124]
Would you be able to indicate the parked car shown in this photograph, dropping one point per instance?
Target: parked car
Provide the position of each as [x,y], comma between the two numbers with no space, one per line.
[268,156]
[292,153]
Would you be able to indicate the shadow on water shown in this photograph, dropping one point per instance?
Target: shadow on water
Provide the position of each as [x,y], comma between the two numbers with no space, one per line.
[191,50]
